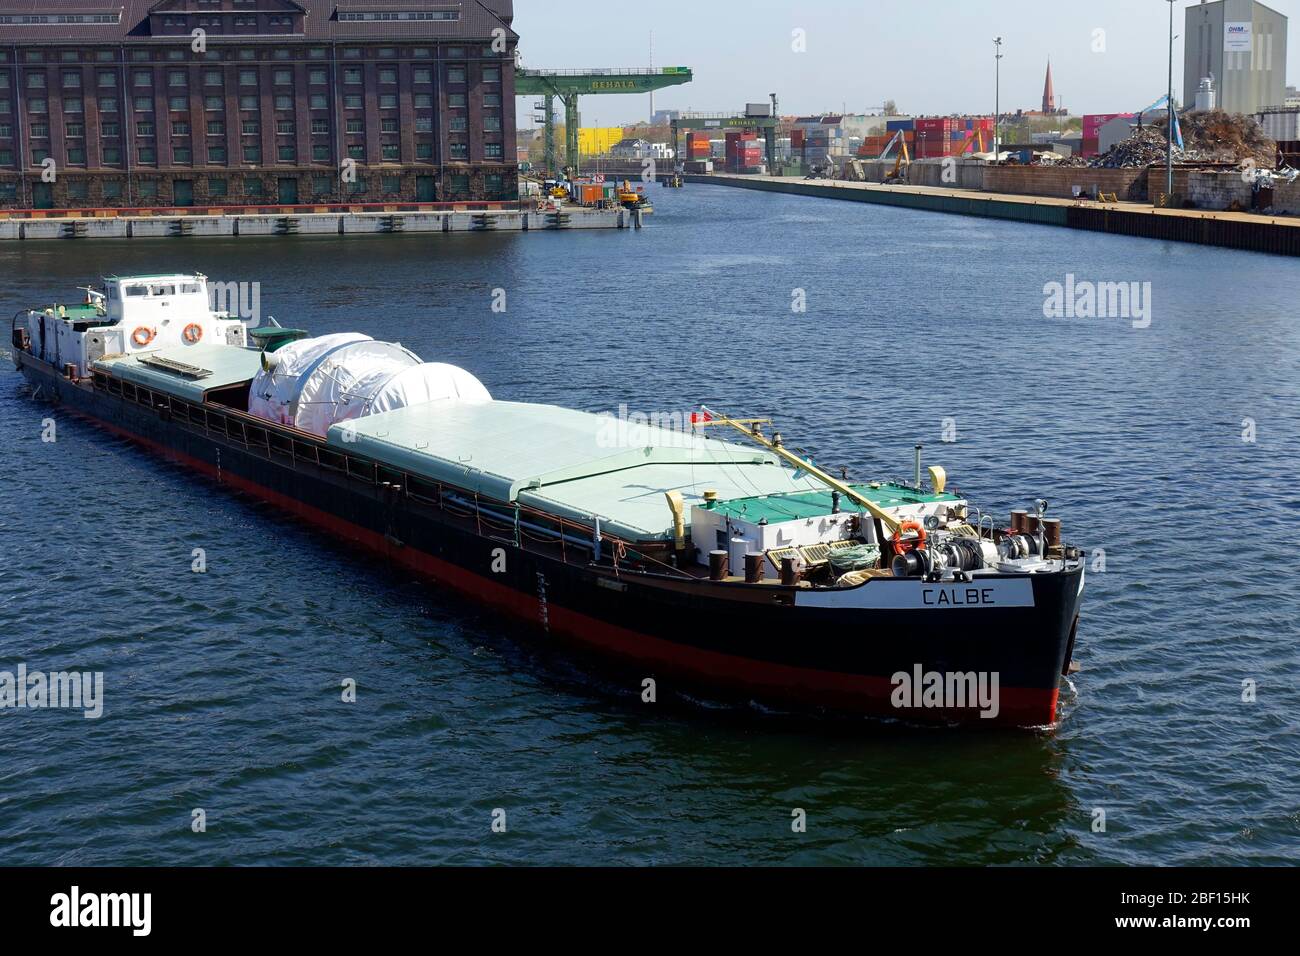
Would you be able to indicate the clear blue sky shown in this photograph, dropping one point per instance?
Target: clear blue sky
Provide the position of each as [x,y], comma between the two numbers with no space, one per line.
[931,56]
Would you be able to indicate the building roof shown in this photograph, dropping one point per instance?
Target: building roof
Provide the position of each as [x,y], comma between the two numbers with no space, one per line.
[478,19]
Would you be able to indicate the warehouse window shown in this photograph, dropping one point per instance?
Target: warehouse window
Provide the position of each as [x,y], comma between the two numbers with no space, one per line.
[399,15]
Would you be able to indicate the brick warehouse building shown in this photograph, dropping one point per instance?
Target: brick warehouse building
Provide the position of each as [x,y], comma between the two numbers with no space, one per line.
[286,102]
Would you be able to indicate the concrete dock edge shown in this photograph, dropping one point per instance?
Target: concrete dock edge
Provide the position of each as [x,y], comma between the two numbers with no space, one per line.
[1227,230]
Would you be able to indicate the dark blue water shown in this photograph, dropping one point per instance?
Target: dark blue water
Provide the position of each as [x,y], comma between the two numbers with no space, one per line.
[223,690]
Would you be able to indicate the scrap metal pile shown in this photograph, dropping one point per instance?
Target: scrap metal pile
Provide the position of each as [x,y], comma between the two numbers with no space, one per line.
[1213,136]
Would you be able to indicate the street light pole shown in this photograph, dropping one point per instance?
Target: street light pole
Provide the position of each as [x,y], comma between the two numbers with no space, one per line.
[1169,147]
[997,98]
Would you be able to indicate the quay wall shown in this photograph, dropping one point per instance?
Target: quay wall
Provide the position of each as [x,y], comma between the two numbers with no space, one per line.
[1229,230]
[340,224]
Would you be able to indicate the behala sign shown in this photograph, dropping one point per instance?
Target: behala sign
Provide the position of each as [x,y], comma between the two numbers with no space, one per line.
[1237,37]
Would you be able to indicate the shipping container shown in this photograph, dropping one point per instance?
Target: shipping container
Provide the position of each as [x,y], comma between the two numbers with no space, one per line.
[1282,125]
[1093,122]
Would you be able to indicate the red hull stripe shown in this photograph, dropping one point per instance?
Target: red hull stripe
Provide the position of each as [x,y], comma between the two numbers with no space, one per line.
[849,692]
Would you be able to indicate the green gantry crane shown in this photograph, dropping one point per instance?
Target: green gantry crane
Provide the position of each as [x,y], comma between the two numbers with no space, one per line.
[568,85]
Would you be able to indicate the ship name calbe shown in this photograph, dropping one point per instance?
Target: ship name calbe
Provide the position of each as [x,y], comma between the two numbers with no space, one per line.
[900,594]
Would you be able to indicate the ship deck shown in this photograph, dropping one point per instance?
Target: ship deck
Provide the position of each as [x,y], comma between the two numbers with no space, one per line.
[582,467]
[225,364]
[573,464]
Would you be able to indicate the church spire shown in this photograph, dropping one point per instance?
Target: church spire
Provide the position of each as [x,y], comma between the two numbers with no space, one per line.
[1049,94]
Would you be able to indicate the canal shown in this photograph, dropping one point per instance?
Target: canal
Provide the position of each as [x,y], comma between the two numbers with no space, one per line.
[1166,440]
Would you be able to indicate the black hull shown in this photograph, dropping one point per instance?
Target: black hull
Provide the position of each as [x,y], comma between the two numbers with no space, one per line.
[761,641]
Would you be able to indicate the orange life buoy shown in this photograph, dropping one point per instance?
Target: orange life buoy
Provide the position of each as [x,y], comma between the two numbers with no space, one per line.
[142,336]
[916,526]
[193,332]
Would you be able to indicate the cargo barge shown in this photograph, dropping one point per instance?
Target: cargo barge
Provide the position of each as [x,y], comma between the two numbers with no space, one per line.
[733,566]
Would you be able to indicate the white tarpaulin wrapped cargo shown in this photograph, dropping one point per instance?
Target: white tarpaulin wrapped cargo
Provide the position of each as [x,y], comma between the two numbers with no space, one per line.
[273,391]
[315,383]
[430,382]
